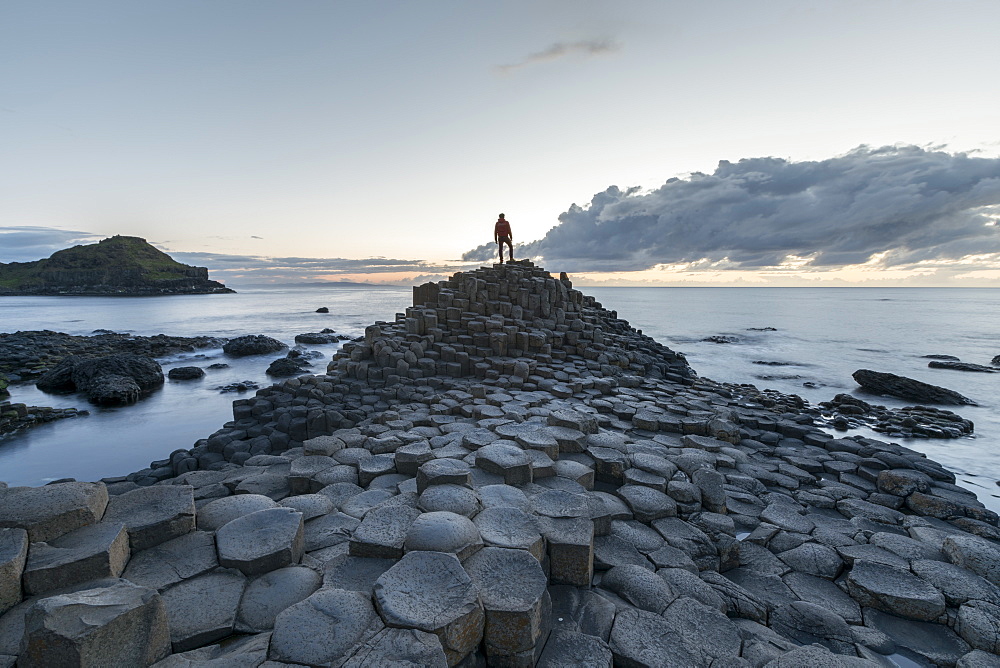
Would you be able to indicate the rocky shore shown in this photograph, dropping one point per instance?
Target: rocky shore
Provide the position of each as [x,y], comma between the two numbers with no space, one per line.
[508,474]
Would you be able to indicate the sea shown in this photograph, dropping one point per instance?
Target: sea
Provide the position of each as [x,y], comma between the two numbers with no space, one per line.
[820,335]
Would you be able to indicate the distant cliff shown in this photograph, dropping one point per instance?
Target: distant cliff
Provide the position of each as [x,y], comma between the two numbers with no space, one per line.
[116,266]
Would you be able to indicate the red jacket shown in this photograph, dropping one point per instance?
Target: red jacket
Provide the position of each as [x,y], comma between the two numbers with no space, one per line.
[502,229]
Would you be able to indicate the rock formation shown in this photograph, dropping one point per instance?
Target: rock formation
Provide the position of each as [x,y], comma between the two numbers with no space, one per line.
[114,266]
[509,475]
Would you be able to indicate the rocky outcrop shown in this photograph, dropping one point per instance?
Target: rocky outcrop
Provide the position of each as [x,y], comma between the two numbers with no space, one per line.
[252,344]
[112,380]
[509,474]
[115,266]
[902,387]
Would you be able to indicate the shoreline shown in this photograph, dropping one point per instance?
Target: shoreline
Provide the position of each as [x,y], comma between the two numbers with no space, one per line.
[507,431]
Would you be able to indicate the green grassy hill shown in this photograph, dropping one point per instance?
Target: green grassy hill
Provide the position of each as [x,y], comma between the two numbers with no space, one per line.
[119,265]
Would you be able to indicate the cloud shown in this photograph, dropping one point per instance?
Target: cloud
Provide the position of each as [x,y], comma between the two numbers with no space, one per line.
[895,205]
[28,243]
[586,48]
[259,269]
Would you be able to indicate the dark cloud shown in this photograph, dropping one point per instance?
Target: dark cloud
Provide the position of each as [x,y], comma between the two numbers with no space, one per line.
[909,203]
[588,47]
[26,244]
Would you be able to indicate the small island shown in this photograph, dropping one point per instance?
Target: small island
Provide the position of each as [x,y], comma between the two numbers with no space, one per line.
[117,266]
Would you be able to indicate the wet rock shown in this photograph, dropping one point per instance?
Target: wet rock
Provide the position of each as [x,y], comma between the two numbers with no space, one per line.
[252,344]
[126,625]
[907,388]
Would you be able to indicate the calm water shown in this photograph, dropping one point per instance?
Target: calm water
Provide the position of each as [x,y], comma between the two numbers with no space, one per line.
[827,333]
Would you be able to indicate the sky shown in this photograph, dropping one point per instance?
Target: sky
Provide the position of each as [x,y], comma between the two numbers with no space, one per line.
[631,142]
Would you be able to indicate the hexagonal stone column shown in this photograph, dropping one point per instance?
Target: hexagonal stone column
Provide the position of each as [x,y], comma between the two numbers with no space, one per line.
[126,625]
[50,511]
[444,531]
[513,528]
[382,532]
[324,629]
[518,608]
[430,591]
[153,515]
[261,541]
[505,460]
[442,472]
[571,549]
[13,555]
[90,553]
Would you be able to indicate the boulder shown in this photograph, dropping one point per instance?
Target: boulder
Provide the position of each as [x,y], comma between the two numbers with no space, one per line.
[53,510]
[252,344]
[261,541]
[155,514]
[430,591]
[120,624]
[908,388]
[185,373]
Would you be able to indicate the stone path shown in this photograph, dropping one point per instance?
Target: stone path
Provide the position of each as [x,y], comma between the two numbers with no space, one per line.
[508,475]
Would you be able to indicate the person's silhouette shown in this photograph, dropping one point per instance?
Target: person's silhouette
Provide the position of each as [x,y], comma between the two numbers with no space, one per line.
[502,235]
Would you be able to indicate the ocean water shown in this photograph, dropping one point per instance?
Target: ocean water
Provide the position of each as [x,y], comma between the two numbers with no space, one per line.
[823,334]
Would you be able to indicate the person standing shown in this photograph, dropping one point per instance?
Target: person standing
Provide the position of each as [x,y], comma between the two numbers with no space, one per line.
[502,235]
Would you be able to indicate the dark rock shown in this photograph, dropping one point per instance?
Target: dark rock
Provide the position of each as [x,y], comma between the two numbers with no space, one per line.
[252,344]
[185,373]
[907,388]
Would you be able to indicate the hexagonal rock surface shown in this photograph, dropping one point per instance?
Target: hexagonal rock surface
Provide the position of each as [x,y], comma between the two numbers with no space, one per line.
[126,625]
[50,511]
[894,590]
[89,553]
[266,596]
[442,472]
[512,528]
[325,628]
[382,532]
[13,556]
[430,591]
[974,553]
[203,609]
[647,504]
[453,498]
[444,532]
[153,515]
[215,514]
[571,649]
[261,541]
[354,573]
[505,460]
[641,638]
[400,648]
[168,563]
[518,608]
